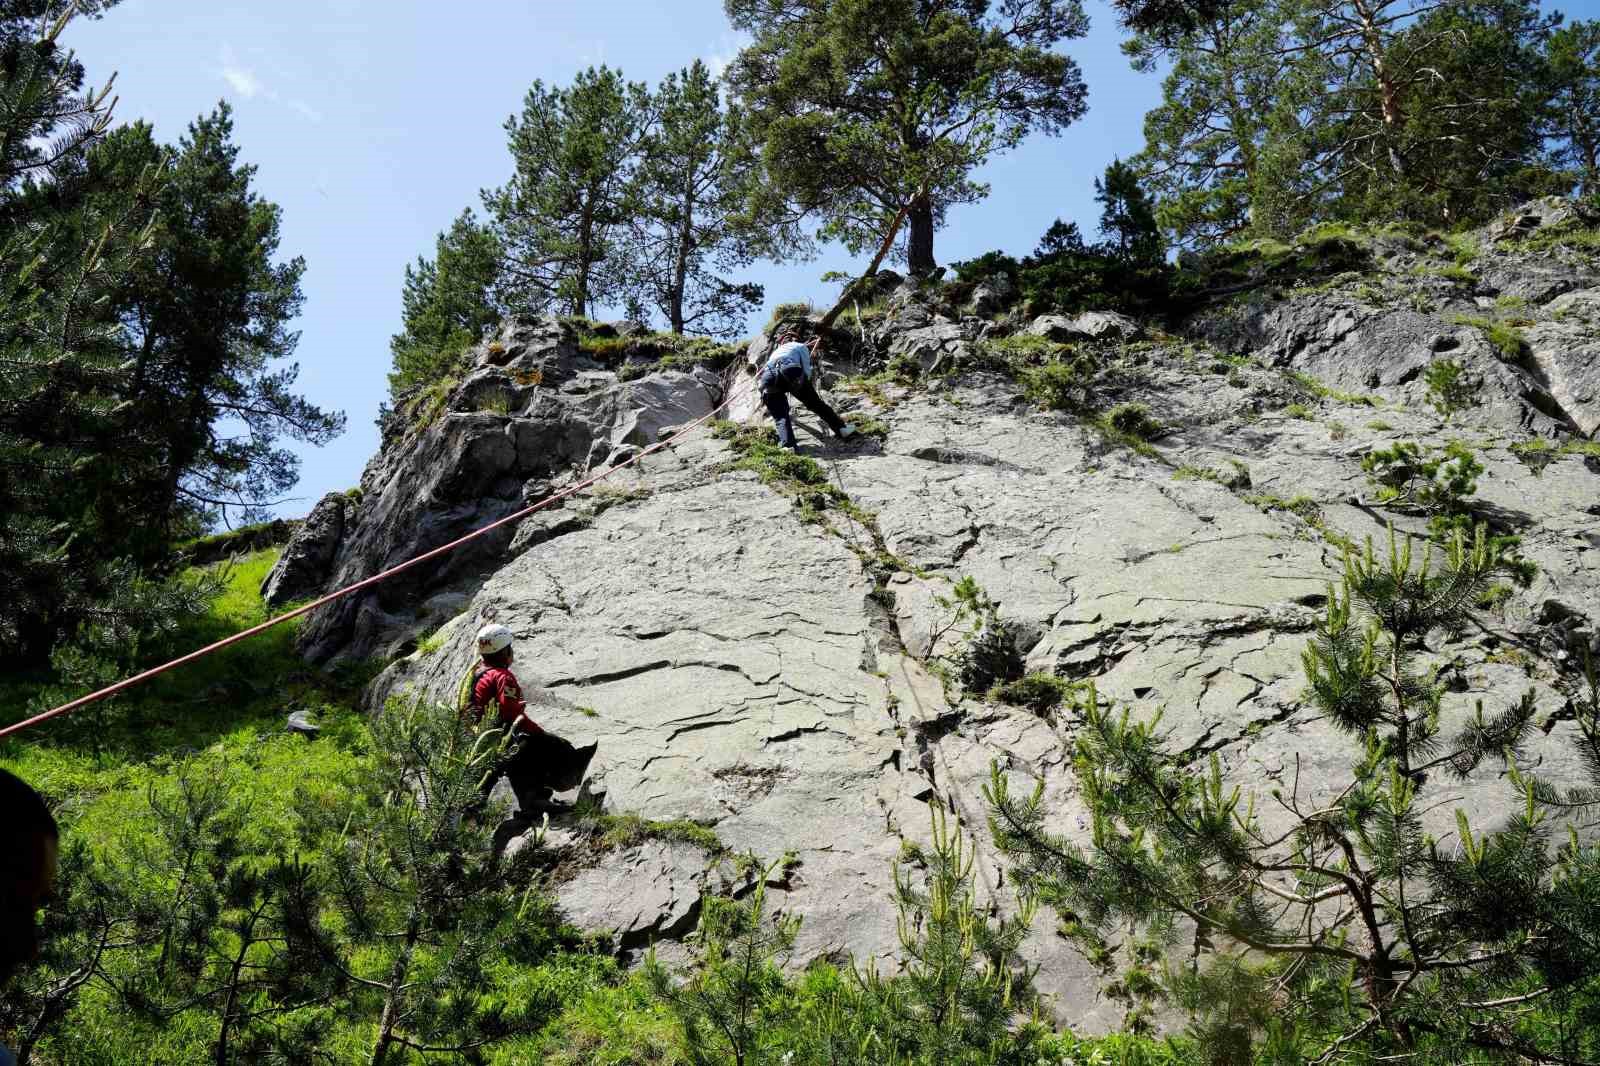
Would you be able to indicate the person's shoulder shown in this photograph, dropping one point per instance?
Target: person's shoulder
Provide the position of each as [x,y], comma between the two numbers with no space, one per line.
[6,1057]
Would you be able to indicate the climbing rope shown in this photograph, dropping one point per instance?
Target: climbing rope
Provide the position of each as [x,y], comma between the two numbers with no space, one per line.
[200,653]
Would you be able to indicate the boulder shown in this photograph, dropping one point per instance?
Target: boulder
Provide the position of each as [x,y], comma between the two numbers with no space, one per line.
[934,346]
[993,295]
[302,570]
[1088,326]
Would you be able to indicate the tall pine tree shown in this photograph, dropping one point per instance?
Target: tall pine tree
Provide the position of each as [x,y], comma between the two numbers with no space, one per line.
[447,303]
[574,151]
[695,220]
[865,107]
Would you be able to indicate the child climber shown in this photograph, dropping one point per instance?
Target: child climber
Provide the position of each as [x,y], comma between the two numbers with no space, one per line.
[788,373]
[536,762]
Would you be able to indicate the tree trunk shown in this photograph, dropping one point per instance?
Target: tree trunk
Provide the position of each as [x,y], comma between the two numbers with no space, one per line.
[680,269]
[580,294]
[919,243]
[1388,91]
[391,1000]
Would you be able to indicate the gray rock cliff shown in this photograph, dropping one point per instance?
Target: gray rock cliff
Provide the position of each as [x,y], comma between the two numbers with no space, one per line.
[778,680]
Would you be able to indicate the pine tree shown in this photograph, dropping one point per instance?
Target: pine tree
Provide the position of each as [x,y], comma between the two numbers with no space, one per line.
[695,218]
[215,936]
[447,303]
[1335,927]
[1573,54]
[574,151]
[1441,122]
[420,900]
[1205,143]
[205,325]
[71,445]
[863,108]
[732,1000]
[1127,219]
[962,987]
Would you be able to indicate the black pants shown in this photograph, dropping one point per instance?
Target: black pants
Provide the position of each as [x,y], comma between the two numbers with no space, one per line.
[538,764]
[775,392]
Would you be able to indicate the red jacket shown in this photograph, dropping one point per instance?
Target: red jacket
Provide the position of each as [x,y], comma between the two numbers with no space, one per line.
[499,687]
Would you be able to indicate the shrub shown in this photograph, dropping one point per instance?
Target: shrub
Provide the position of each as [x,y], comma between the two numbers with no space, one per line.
[1505,339]
[1301,411]
[1134,420]
[1058,386]
[1448,391]
[1040,693]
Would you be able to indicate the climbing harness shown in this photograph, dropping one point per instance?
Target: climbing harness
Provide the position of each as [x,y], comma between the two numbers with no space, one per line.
[200,653]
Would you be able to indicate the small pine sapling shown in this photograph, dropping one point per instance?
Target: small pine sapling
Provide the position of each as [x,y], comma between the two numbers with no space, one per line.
[1448,389]
[416,901]
[1335,926]
[730,1005]
[963,987]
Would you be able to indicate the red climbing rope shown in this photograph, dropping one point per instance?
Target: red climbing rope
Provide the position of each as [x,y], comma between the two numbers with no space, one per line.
[112,690]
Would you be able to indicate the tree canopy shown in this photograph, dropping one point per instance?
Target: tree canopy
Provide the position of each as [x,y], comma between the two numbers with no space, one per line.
[863,108]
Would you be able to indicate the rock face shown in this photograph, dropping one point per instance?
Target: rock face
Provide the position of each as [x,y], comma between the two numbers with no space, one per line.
[531,409]
[303,565]
[776,680]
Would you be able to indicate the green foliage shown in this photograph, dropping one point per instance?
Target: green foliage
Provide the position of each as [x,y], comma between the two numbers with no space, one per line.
[1040,693]
[691,220]
[1279,114]
[447,304]
[1301,411]
[559,219]
[414,897]
[1448,391]
[1236,478]
[731,1005]
[987,655]
[1127,219]
[1339,927]
[145,312]
[1506,339]
[861,109]
[1133,420]
[1064,385]
[1574,57]
[1439,483]
[1540,452]
[627,829]
[963,985]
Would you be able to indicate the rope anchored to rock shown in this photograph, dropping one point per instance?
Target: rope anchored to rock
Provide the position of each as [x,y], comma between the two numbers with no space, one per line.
[306,608]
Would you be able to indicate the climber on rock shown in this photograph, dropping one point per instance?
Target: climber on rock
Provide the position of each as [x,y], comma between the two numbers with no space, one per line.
[536,762]
[788,373]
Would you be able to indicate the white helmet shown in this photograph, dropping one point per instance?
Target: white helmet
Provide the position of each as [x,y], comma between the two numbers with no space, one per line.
[492,638]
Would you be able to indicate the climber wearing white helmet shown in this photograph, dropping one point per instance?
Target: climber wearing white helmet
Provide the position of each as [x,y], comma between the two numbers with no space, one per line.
[536,762]
[788,373]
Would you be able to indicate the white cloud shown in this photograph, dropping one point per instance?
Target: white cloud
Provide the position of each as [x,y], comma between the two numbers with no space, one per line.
[244,81]
[241,78]
[306,109]
[722,53]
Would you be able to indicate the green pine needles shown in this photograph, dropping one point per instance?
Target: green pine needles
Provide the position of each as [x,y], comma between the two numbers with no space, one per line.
[1345,921]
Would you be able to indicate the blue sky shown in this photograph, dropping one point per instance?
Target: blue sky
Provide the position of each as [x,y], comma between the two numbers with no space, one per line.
[374,122]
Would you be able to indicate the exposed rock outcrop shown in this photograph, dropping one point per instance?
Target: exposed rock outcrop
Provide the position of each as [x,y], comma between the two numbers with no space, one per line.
[303,565]
[776,680]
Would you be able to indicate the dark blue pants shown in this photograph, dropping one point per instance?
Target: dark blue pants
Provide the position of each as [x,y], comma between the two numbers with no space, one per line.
[775,392]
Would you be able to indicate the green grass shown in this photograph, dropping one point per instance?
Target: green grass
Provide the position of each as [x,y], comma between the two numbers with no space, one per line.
[1301,411]
[234,701]
[1302,506]
[628,829]
[1504,338]
[1327,392]
[1040,693]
